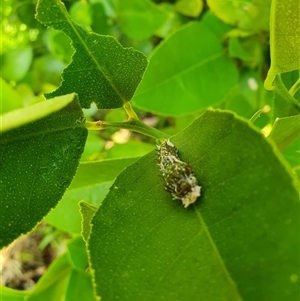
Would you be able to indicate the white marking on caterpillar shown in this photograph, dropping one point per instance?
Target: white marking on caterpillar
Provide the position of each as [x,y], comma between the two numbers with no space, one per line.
[180,179]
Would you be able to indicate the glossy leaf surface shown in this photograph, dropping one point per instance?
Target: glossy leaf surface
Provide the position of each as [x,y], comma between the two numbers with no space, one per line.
[196,75]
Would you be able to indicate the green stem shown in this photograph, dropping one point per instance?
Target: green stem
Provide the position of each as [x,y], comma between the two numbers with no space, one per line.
[264,110]
[130,112]
[281,90]
[295,87]
[132,125]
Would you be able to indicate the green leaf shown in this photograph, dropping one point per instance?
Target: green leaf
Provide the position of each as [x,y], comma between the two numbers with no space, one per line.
[292,155]
[239,240]
[8,294]
[93,147]
[87,212]
[102,71]
[19,118]
[80,13]
[52,285]
[100,20]
[90,173]
[58,45]
[77,254]
[9,98]
[250,96]
[190,8]
[129,149]
[65,215]
[236,50]
[80,287]
[15,63]
[216,25]
[285,130]
[46,69]
[286,134]
[91,184]
[251,16]
[284,39]
[139,19]
[196,75]
[40,150]
[284,104]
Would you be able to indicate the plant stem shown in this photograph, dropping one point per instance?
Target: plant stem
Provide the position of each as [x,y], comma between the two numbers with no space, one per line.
[281,90]
[295,87]
[130,112]
[133,125]
[256,115]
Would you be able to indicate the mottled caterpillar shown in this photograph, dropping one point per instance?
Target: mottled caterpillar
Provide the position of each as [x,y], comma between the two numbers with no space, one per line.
[180,179]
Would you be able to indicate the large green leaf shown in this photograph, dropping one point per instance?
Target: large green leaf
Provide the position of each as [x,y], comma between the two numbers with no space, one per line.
[40,150]
[284,38]
[196,75]
[102,71]
[239,240]
[91,184]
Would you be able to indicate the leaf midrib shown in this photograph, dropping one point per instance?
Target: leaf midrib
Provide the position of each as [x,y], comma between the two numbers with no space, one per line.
[73,27]
[217,254]
[182,72]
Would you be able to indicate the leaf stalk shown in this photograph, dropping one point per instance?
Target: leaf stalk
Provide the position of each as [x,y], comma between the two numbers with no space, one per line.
[295,87]
[281,90]
[133,124]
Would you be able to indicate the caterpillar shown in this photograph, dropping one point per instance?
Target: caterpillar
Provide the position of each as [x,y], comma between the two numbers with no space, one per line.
[180,179]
